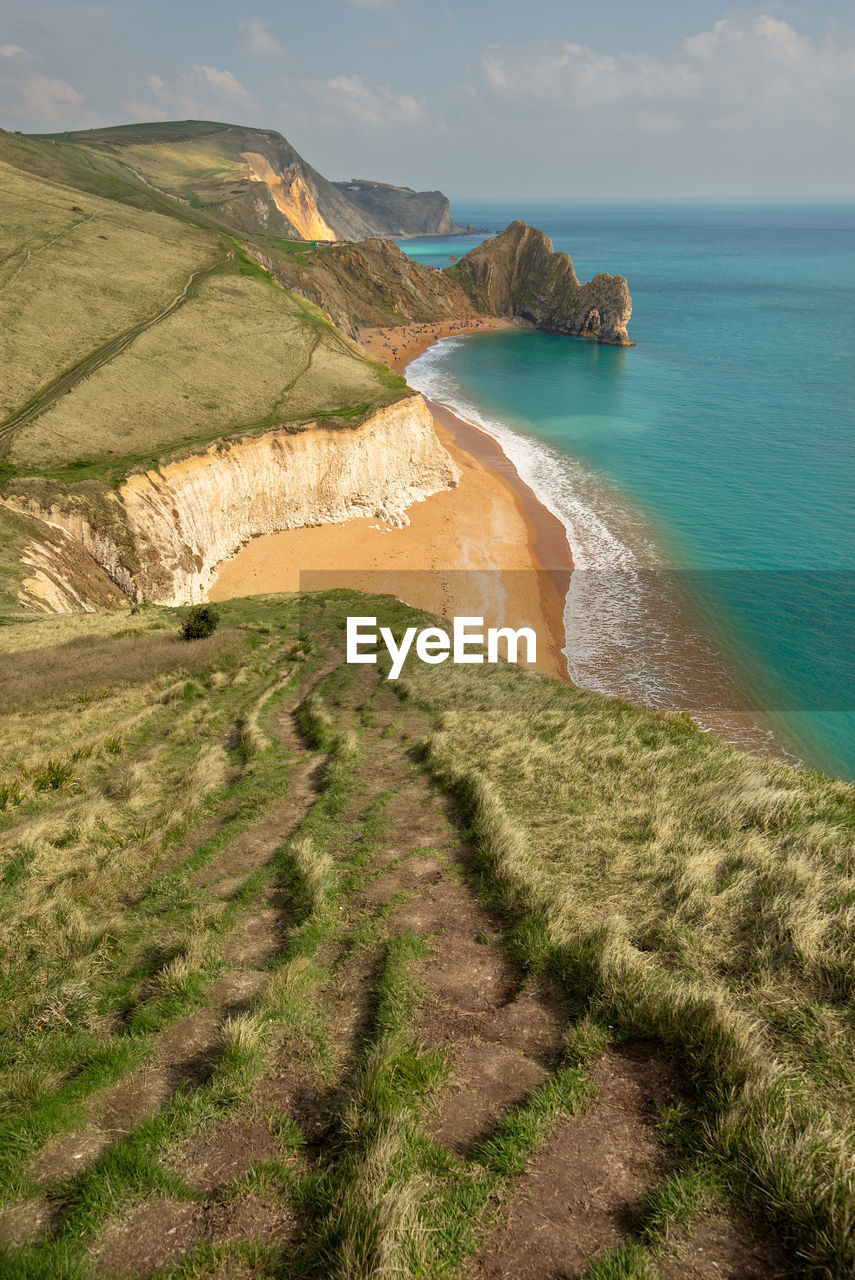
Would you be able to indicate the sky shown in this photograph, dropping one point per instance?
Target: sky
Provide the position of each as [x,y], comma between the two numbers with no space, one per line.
[640,99]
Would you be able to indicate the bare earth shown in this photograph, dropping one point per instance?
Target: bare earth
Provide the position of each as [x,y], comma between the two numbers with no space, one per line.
[486,549]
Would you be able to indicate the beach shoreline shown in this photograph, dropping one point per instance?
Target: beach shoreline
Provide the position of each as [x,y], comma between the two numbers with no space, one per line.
[486,548]
[398,345]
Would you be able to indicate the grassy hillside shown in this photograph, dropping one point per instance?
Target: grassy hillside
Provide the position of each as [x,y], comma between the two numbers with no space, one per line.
[92,173]
[307,973]
[239,354]
[129,333]
[251,180]
[196,161]
[76,270]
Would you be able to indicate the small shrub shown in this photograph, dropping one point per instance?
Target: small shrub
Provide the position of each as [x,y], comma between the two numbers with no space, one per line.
[201,621]
[299,650]
[51,775]
[10,794]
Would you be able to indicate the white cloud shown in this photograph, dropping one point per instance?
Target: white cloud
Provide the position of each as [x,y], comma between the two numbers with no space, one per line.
[255,37]
[48,98]
[201,93]
[28,95]
[748,69]
[352,102]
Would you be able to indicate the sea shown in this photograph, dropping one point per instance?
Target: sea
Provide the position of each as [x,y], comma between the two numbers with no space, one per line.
[705,475]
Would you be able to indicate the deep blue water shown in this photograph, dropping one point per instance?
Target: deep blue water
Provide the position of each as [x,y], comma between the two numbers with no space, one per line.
[722,444]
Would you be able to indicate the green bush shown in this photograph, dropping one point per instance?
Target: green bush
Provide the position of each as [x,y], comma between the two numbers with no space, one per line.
[201,621]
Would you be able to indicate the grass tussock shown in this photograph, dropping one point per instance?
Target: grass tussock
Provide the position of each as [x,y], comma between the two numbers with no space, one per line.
[315,874]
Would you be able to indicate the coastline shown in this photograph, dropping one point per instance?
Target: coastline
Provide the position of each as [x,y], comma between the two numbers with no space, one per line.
[486,548]
[398,345]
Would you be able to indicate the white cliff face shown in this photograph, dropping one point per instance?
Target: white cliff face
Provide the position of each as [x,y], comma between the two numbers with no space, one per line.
[186,517]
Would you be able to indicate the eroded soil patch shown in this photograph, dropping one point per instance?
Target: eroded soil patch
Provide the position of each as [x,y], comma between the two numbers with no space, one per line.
[582,1193]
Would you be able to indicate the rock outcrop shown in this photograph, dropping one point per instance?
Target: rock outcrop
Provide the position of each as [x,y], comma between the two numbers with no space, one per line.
[518,273]
[61,577]
[171,526]
[401,211]
[369,284]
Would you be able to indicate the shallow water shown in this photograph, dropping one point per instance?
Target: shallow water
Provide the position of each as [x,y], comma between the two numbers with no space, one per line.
[706,474]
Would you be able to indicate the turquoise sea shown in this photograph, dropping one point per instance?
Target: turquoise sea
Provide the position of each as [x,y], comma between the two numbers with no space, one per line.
[705,475]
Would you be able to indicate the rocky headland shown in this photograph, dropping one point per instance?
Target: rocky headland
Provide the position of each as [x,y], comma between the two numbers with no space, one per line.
[518,273]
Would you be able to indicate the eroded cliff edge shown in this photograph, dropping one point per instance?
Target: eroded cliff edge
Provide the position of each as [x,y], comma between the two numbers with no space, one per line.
[161,535]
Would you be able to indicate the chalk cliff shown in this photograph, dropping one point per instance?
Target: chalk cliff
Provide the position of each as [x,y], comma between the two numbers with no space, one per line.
[518,273]
[169,528]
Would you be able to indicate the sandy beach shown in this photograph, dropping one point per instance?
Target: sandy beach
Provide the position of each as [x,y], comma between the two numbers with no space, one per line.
[397,346]
[486,548]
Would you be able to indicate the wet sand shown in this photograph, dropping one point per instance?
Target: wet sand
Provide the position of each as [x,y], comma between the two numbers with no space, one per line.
[487,548]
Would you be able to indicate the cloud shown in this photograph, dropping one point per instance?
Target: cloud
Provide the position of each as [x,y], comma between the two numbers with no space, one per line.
[352,102]
[372,4]
[29,95]
[201,93]
[749,69]
[255,37]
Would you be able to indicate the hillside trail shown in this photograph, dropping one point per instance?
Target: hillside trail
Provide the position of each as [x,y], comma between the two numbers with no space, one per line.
[404,866]
[107,351]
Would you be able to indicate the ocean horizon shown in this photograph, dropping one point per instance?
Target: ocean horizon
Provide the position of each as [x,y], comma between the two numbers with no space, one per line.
[705,474]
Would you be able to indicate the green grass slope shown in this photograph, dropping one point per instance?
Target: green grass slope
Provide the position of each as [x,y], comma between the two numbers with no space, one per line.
[128,334]
[76,270]
[94,173]
[241,353]
[157,815]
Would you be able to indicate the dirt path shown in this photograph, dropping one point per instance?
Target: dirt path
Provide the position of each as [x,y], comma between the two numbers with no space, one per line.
[250,1190]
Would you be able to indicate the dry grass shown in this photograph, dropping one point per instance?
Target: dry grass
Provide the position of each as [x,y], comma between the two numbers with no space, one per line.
[208,165]
[110,751]
[93,666]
